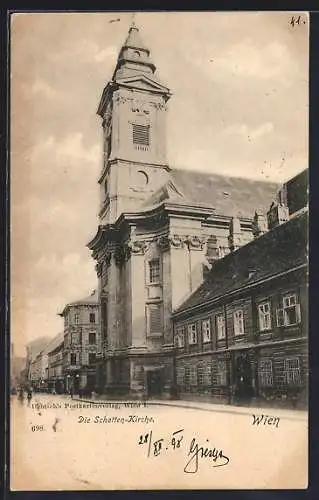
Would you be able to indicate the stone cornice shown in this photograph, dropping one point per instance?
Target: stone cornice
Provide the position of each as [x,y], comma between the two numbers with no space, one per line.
[112,161]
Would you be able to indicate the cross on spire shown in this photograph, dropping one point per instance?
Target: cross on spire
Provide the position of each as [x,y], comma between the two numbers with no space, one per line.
[133,25]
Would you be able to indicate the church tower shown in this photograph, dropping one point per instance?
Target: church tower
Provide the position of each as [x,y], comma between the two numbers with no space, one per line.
[133,111]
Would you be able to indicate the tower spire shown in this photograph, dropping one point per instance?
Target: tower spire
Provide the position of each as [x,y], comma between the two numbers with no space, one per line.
[134,57]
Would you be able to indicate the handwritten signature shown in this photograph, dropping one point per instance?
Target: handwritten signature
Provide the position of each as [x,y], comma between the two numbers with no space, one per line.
[195,450]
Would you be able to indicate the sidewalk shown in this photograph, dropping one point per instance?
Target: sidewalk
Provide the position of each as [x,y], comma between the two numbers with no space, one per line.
[212,407]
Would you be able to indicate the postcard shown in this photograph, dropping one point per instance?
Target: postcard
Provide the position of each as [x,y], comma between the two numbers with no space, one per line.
[159,215]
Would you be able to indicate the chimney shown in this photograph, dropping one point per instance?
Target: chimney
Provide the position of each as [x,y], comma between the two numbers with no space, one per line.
[277,214]
[260,224]
[234,238]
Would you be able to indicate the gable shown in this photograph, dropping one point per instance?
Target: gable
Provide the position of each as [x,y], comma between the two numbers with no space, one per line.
[143,83]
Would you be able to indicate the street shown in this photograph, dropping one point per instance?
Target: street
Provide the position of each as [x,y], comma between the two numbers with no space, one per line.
[55,446]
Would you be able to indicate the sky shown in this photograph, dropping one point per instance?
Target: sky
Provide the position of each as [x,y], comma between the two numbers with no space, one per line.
[239,107]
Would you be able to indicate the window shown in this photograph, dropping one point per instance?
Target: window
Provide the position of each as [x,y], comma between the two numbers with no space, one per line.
[73,359]
[292,371]
[179,337]
[187,376]
[264,316]
[192,334]
[208,375]
[290,313]
[141,134]
[193,375]
[154,270]
[76,319]
[219,374]
[155,318]
[74,337]
[265,375]
[200,374]
[92,317]
[92,338]
[92,358]
[180,374]
[206,330]
[239,322]
[220,326]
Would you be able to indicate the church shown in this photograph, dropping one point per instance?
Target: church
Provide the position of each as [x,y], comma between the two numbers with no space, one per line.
[160,229]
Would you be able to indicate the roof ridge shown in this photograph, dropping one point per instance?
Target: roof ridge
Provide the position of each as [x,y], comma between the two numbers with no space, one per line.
[222,176]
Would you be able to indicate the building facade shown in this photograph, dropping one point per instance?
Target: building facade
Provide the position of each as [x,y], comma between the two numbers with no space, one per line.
[243,335]
[38,372]
[55,369]
[160,229]
[81,344]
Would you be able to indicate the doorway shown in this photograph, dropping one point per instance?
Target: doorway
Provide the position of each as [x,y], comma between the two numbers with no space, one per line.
[154,383]
[243,379]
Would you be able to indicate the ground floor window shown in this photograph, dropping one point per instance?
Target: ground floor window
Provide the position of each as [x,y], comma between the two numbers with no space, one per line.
[292,371]
[219,372]
[193,375]
[265,373]
[200,374]
[187,376]
[208,375]
[180,375]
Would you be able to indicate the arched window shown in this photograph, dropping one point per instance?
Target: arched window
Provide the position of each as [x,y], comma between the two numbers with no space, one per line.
[153,265]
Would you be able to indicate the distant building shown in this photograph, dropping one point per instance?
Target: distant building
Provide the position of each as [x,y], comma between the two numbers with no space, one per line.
[38,370]
[243,335]
[35,346]
[82,342]
[159,227]
[55,368]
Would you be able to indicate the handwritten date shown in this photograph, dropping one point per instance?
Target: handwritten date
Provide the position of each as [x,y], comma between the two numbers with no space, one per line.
[195,451]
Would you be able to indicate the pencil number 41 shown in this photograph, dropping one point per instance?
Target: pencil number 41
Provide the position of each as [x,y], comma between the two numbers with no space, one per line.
[297,21]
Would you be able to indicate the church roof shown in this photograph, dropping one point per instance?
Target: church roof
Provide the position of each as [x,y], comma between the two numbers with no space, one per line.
[228,195]
[279,250]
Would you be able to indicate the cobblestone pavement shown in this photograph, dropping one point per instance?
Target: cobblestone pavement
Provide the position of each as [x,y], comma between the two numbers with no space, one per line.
[60,443]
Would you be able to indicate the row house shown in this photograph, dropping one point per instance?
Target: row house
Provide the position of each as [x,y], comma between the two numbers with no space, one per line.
[55,368]
[38,373]
[242,336]
[81,344]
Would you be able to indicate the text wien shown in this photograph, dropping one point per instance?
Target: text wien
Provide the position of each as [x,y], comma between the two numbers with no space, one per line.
[266,420]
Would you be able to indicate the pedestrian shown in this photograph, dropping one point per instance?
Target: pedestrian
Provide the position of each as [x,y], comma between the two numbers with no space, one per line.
[29,396]
[71,392]
[21,395]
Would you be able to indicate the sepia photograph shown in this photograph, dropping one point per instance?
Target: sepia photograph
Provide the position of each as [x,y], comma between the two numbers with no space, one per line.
[159,250]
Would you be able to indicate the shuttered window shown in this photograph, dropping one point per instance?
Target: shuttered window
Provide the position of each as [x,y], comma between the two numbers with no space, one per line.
[141,134]
[155,318]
